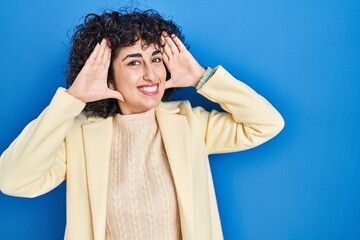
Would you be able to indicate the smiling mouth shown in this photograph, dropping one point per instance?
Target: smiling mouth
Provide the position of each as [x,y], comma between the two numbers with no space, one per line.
[149,90]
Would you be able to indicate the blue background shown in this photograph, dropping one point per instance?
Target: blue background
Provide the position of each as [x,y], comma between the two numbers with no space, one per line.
[303,56]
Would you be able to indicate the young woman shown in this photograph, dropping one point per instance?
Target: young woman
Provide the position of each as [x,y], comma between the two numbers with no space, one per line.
[135,167]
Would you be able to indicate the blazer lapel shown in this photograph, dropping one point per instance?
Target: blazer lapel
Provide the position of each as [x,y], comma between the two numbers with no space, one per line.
[175,133]
[97,139]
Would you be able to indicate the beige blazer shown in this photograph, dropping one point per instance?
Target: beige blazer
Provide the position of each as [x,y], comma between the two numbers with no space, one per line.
[62,144]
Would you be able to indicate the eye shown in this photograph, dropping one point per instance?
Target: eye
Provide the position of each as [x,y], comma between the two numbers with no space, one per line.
[133,63]
[157,60]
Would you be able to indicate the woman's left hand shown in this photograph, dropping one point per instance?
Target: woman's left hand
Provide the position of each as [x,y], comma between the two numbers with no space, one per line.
[184,69]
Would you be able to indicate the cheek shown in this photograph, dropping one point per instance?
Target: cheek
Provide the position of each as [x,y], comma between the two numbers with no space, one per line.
[125,81]
[161,72]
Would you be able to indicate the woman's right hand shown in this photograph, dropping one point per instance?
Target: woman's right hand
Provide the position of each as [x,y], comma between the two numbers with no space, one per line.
[91,83]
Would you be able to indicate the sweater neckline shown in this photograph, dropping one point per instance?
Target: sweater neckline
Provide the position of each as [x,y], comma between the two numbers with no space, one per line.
[136,118]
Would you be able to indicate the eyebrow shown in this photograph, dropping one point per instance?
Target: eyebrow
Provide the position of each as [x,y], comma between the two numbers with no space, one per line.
[136,55]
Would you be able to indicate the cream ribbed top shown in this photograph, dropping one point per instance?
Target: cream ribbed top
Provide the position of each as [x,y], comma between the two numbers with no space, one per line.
[142,201]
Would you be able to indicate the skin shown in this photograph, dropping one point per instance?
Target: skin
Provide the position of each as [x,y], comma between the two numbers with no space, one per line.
[130,78]
[139,75]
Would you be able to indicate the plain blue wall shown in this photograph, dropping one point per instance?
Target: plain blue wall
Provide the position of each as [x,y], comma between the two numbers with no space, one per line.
[303,56]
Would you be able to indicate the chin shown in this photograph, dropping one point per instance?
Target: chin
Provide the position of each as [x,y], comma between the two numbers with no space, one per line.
[152,105]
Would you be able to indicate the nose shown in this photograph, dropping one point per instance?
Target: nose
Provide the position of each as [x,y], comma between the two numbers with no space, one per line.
[148,73]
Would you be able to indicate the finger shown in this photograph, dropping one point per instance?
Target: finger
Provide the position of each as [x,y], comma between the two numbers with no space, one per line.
[163,41]
[172,45]
[169,84]
[101,53]
[103,42]
[94,53]
[116,95]
[166,59]
[108,43]
[107,56]
[178,43]
[167,51]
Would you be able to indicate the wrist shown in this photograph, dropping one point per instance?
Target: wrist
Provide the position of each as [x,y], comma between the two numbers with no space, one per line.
[205,77]
[73,92]
[199,74]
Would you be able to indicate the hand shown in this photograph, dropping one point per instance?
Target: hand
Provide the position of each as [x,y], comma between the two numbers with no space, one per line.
[91,82]
[184,69]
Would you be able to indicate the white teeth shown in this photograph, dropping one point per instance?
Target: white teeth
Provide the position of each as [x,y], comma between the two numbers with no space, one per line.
[148,89]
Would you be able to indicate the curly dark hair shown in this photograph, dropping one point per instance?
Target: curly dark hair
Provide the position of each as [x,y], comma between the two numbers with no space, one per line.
[122,29]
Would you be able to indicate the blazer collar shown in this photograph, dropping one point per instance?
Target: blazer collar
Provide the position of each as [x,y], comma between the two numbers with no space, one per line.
[176,137]
[97,141]
[168,107]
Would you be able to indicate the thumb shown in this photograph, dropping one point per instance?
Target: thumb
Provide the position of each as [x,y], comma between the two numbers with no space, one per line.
[116,95]
[169,84]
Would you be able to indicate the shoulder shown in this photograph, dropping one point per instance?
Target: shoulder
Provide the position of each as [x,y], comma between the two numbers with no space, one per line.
[175,107]
[82,120]
[180,109]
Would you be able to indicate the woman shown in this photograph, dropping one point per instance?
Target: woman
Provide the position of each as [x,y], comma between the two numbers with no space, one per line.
[135,167]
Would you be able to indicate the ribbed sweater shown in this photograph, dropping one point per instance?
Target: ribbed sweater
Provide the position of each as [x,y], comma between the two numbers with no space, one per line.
[142,201]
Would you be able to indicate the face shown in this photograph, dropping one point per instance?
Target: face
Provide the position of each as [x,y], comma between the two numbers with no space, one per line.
[139,75]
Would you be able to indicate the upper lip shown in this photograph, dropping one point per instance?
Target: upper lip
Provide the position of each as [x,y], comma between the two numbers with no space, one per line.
[148,85]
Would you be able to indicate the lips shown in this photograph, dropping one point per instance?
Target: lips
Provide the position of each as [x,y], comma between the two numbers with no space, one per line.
[149,89]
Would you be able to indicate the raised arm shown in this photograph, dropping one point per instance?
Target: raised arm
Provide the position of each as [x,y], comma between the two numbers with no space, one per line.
[249,120]
[36,161]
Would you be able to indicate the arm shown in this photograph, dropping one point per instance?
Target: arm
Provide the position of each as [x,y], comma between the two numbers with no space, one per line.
[35,162]
[249,120]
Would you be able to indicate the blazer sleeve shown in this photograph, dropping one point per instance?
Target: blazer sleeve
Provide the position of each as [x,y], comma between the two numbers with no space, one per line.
[35,162]
[249,120]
